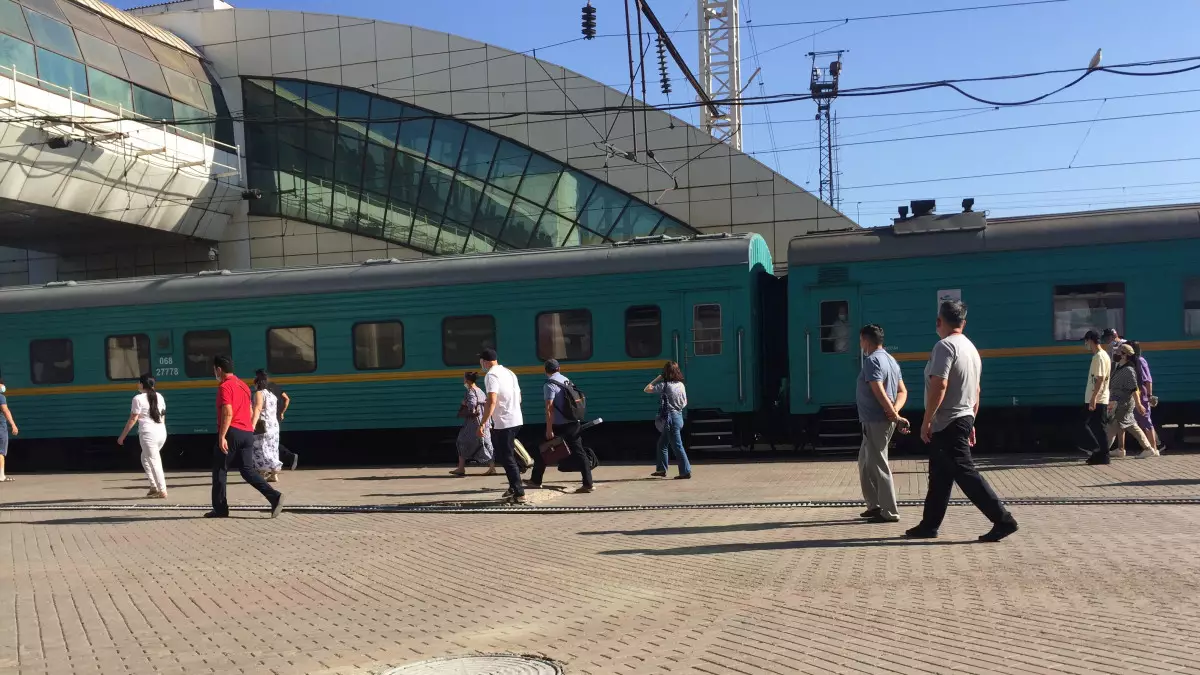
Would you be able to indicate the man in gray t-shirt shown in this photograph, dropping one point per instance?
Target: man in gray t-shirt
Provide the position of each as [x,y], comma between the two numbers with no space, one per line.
[951,405]
[881,395]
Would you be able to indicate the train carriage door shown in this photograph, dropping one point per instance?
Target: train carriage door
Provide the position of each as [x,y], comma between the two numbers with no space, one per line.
[709,358]
[833,355]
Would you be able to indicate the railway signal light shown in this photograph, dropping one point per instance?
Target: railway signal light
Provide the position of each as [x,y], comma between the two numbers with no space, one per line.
[589,21]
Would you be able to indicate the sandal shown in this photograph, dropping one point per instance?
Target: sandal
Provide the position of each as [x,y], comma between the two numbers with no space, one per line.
[458,472]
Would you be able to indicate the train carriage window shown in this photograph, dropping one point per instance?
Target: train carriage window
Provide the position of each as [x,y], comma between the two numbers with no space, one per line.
[463,337]
[565,335]
[200,347]
[1079,308]
[51,361]
[291,350]
[643,332]
[127,356]
[707,337]
[1191,307]
[378,346]
[835,327]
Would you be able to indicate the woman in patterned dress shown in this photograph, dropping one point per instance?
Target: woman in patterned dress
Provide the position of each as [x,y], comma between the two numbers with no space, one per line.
[470,445]
[1123,400]
[266,430]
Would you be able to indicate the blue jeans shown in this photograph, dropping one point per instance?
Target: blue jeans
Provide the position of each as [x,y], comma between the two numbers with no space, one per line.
[670,436]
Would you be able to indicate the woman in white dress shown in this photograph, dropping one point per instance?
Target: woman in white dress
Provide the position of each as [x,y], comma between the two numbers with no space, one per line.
[266,429]
[149,413]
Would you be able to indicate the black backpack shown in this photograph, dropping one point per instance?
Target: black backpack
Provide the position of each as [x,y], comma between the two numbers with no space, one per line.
[574,407]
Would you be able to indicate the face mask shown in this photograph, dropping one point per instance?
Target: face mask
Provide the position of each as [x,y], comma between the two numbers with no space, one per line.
[3,389]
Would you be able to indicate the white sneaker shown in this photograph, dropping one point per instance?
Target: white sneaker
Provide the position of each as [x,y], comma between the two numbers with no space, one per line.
[1146,454]
[1116,453]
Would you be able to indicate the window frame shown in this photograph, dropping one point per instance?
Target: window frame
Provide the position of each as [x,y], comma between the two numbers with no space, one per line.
[316,352]
[658,310]
[537,335]
[1189,281]
[720,328]
[1054,295]
[70,345]
[149,356]
[495,336]
[825,330]
[187,352]
[403,343]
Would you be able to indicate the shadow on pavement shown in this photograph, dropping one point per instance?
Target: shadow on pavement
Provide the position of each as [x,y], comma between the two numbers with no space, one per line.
[90,520]
[170,486]
[1164,482]
[426,475]
[714,529]
[743,547]
[51,502]
[1010,462]
[478,491]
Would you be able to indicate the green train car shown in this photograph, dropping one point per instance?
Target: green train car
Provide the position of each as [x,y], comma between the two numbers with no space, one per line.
[383,345]
[1033,286]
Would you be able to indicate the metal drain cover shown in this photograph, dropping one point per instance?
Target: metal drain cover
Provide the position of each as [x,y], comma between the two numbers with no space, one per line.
[481,664]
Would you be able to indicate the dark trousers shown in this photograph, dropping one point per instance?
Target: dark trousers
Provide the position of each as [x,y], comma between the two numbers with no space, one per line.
[502,446]
[570,434]
[1094,438]
[285,455]
[950,462]
[240,456]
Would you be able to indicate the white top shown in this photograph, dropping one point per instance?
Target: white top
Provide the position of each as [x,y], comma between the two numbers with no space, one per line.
[503,383]
[141,408]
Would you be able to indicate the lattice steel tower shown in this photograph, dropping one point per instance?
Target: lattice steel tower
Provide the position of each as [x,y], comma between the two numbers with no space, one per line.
[720,69]
[824,89]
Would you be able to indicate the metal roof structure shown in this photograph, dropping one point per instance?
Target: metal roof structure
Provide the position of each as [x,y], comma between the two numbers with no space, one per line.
[1117,226]
[637,256]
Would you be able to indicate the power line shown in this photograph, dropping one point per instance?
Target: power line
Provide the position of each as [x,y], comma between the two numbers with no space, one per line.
[1026,172]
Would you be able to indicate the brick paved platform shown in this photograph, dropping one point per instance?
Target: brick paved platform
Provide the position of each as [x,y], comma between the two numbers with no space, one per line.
[1081,589]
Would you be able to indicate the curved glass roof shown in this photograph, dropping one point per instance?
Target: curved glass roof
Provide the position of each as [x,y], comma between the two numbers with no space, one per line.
[76,49]
[354,161]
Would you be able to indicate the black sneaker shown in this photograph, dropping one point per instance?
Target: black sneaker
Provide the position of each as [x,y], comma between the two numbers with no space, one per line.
[277,506]
[880,518]
[1099,457]
[216,514]
[999,531]
[295,460]
[684,476]
[869,513]
[921,532]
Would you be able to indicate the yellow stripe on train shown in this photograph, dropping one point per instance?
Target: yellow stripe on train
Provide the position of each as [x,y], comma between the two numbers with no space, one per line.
[1059,350]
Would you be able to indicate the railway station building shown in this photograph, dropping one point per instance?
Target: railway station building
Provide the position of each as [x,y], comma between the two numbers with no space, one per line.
[194,135]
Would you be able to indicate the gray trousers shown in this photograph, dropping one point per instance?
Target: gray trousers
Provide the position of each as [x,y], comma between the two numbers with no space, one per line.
[873,471]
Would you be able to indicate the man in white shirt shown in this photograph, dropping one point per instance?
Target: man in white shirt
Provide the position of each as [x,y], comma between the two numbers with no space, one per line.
[504,411]
[1095,399]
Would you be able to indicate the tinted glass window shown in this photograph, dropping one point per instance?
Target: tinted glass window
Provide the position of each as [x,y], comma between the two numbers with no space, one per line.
[643,332]
[14,52]
[128,39]
[152,105]
[571,193]
[463,337]
[52,34]
[564,335]
[292,350]
[540,176]
[109,89]
[638,220]
[1079,308]
[602,210]
[101,54]
[183,88]
[168,56]
[61,71]
[477,153]
[447,142]
[12,20]
[379,345]
[509,166]
[707,337]
[47,7]
[200,347]
[127,357]
[82,19]
[145,72]
[1191,307]
[835,326]
[51,361]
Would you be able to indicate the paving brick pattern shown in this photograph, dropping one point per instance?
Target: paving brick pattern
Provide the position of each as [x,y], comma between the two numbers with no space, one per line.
[1081,589]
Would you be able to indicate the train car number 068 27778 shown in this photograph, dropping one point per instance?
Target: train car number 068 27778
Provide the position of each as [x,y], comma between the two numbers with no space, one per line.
[163,370]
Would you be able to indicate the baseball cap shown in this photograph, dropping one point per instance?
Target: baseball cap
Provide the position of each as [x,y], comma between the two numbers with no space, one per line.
[552,365]
[1091,335]
[488,354]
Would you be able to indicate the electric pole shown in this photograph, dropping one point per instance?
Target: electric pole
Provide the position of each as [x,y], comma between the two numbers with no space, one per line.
[824,89]
[720,69]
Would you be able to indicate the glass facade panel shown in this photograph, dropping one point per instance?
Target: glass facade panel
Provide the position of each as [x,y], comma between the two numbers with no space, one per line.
[152,105]
[61,71]
[111,90]
[84,20]
[168,56]
[12,21]
[145,72]
[13,52]
[47,7]
[52,34]
[371,165]
[101,54]
[183,88]
[128,39]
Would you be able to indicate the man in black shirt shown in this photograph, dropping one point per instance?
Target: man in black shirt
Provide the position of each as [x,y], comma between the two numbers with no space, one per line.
[289,458]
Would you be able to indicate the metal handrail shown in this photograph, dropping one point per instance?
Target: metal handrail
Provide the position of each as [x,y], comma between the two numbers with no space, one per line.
[122,113]
[740,376]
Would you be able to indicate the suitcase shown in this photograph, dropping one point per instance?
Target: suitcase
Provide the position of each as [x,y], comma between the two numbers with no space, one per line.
[524,461]
[554,450]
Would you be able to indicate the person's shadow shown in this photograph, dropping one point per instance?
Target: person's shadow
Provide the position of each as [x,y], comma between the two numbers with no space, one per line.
[743,547]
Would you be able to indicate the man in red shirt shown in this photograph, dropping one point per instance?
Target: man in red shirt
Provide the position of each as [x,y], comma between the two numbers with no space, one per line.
[235,441]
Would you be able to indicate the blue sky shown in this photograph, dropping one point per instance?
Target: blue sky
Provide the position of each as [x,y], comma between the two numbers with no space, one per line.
[953,45]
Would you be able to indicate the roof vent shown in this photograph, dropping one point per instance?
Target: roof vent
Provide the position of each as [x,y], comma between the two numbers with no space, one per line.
[213,273]
[712,235]
[380,261]
[833,275]
[923,207]
[60,284]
